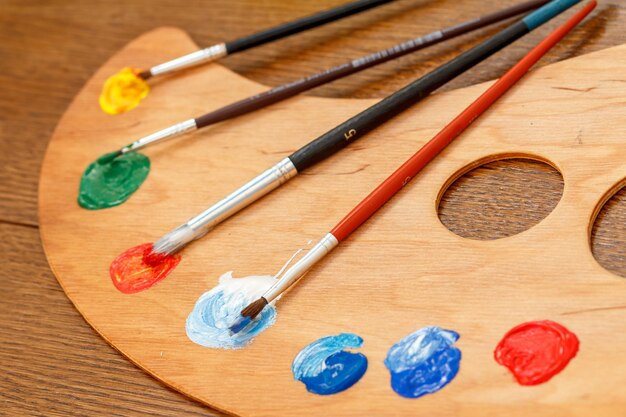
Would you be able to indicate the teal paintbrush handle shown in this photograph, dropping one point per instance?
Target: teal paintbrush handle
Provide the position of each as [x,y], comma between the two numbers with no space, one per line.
[547,12]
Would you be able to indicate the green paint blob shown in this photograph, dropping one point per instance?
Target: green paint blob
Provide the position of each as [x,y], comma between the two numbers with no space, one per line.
[112,179]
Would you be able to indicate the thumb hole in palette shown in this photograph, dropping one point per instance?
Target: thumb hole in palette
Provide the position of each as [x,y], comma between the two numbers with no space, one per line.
[500,198]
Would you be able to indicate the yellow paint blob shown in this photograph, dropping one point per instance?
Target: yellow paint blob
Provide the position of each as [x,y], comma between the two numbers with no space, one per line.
[123,91]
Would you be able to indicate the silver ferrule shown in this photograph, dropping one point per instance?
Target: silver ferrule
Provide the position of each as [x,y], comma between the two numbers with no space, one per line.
[199,225]
[203,55]
[297,271]
[167,133]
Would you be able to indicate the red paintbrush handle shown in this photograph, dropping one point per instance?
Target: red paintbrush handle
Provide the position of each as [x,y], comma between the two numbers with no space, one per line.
[419,160]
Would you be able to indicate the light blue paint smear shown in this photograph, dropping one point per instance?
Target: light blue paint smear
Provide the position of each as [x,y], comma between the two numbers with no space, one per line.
[325,368]
[216,310]
[423,362]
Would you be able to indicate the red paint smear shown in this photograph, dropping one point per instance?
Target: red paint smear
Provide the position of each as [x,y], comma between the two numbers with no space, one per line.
[155,259]
[536,351]
[136,270]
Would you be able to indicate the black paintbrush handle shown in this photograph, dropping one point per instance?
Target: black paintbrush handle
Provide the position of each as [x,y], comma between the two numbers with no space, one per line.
[296,87]
[299,25]
[374,116]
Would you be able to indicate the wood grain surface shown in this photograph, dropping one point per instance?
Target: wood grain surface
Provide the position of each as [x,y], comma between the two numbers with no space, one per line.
[53,363]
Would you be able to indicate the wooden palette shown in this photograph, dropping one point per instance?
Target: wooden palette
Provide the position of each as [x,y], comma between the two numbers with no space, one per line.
[403,270]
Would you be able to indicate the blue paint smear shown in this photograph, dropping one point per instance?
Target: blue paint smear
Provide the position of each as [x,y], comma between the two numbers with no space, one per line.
[423,362]
[216,310]
[240,324]
[325,368]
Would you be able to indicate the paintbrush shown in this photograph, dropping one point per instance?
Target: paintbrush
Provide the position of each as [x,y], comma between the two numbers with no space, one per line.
[223,49]
[349,131]
[293,88]
[396,181]
[124,90]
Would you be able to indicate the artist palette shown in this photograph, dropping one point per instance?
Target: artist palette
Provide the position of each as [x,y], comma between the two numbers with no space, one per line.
[402,271]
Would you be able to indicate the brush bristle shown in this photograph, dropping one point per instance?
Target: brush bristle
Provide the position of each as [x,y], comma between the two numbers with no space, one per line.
[144,75]
[254,308]
[152,258]
[108,157]
[247,315]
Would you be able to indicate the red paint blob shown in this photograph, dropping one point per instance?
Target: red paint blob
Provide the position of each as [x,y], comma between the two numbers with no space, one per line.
[136,269]
[536,351]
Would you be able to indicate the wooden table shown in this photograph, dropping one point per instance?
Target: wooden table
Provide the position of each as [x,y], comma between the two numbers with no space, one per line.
[51,361]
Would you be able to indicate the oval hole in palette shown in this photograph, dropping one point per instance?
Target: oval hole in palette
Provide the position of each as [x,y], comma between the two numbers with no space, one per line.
[608,231]
[472,209]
